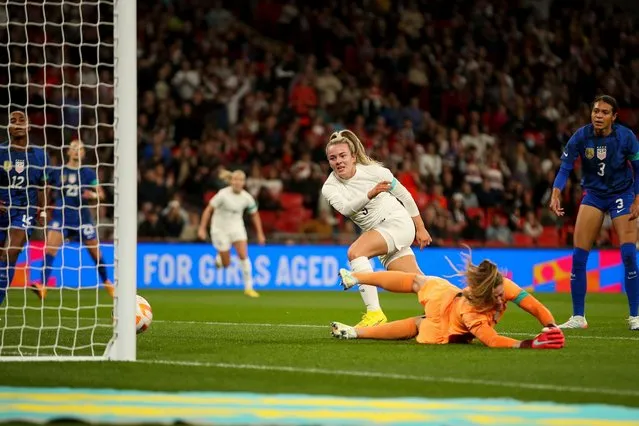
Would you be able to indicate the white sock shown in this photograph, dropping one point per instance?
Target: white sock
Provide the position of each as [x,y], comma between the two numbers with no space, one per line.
[368,292]
[218,261]
[247,273]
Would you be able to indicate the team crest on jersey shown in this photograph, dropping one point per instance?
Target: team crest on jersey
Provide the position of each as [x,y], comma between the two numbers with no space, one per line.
[7,166]
[72,179]
[19,166]
[590,153]
[601,153]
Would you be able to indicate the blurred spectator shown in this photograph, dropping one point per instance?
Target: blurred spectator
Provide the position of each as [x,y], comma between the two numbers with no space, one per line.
[531,226]
[151,227]
[479,98]
[174,218]
[498,231]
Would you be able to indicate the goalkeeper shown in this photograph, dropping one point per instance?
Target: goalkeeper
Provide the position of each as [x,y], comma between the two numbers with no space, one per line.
[22,186]
[453,315]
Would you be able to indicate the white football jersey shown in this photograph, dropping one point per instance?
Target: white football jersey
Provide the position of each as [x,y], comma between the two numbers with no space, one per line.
[229,208]
[347,195]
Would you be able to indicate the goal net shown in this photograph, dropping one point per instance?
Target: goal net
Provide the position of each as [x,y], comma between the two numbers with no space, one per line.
[67,66]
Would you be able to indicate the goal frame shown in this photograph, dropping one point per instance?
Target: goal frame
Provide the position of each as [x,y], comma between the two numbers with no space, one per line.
[122,346]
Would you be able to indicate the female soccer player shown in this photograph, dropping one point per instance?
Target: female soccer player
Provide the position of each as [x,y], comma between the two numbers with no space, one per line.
[368,193]
[227,226]
[452,315]
[22,187]
[611,186]
[74,186]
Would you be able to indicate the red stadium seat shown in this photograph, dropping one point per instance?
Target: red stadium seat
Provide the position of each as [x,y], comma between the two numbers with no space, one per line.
[269,220]
[291,200]
[288,223]
[477,211]
[549,238]
[421,200]
[494,243]
[208,195]
[523,240]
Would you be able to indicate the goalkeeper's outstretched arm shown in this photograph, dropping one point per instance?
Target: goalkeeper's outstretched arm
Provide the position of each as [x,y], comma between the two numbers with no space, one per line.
[528,303]
[551,339]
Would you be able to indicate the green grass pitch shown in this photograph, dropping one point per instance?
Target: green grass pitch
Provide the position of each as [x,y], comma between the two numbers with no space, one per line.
[280,343]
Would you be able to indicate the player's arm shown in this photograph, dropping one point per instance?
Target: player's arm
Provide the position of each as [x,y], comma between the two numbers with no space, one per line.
[204,220]
[633,157]
[552,339]
[520,297]
[568,158]
[43,192]
[95,192]
[401,193]
[343,205]
[257,221]
[43,195]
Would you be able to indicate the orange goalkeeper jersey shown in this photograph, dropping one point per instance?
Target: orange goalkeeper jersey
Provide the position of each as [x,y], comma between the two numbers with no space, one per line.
[451,319]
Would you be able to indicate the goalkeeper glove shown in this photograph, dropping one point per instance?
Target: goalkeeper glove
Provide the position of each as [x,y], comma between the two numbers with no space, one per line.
[551,339]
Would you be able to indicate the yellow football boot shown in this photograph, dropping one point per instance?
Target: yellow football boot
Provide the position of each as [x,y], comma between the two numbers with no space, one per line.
[372,318]
[251,293]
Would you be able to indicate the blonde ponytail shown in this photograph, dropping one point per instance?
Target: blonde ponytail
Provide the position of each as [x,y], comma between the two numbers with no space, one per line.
[225,175]
[354,145]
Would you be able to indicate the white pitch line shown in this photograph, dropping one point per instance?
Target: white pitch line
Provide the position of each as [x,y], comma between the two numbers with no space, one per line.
[393,376]
[257,324]
[249,324]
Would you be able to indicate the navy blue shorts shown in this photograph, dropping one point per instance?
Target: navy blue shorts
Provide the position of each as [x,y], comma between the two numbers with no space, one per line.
[17,217]
[617,205]
[74,232]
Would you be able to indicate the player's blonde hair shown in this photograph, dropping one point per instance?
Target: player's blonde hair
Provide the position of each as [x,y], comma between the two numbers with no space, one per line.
[481,281]
[354,145]
[227,175]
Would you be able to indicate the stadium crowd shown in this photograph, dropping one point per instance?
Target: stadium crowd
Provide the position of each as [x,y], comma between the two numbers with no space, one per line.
[469,104]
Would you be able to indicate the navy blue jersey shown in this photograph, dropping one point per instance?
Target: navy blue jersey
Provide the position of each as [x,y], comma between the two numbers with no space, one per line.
[605,160]
[23,175]
[69,184]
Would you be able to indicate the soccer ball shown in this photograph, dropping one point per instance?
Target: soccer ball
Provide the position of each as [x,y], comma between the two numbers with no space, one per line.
[143,314]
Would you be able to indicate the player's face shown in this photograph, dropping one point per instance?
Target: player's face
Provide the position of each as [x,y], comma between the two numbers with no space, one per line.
[602,116]
[76,151]
[341,160]
[237,182]
[18,124]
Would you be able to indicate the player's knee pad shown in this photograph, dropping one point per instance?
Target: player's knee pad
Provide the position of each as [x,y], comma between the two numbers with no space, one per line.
[579,259]
[629,255]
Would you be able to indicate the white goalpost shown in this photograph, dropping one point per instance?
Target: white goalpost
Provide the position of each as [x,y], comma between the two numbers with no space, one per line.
[71,66]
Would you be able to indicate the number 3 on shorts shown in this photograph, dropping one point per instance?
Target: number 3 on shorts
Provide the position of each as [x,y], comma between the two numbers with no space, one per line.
[602,167]
[619,202]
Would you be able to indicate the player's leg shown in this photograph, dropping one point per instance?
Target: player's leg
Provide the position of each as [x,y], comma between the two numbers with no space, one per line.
[53,243]
[222,243]
[395,330]
[589,220]
[90,240]
[16,237]
[403,260]
[393,281]
[627,232]
[241,248]
[369,244]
